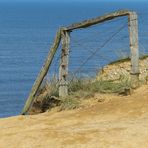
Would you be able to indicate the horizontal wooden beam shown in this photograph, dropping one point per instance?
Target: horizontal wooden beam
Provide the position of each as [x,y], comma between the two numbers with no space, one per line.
[97,20]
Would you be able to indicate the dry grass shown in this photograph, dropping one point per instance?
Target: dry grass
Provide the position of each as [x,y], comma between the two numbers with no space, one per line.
[79,89]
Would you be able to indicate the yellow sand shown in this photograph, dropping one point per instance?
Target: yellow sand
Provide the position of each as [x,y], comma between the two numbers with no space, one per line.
[114,123]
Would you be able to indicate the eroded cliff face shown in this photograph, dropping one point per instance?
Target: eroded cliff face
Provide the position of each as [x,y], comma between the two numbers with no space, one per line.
[120,70]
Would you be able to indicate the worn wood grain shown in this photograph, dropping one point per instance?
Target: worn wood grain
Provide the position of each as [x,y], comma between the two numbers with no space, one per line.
[63,69]
[133,33]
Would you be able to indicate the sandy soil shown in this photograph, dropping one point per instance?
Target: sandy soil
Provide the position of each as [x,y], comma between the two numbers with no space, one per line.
[107,121]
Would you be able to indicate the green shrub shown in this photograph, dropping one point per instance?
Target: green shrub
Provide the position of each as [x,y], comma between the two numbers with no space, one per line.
[81,88]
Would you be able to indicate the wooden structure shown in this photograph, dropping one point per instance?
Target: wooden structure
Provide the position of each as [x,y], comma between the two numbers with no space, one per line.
[63,70]
[64,35]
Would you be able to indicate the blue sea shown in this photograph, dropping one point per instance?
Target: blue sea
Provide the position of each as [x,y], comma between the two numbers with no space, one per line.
[27,30]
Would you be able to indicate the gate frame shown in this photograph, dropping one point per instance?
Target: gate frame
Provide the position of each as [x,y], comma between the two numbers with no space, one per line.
[64,35]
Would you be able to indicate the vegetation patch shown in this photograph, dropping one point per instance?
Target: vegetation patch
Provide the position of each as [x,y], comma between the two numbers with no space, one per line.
[79,89]
[69,103]
[142,57]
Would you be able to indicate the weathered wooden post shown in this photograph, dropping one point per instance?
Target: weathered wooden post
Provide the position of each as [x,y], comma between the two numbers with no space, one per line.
[42,73]
[133,31]
[63,69]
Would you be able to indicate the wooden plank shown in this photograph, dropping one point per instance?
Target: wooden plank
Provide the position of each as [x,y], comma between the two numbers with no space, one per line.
[97,20]
[42,73]
[133,33]
[63,69]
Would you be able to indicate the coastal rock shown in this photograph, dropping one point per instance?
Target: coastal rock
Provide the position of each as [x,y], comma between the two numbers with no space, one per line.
[118,70]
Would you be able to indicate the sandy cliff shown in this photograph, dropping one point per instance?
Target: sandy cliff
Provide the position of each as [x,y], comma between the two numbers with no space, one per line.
[115,122]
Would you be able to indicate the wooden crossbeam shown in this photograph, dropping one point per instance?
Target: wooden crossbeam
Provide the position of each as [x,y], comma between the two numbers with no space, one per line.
[97,20]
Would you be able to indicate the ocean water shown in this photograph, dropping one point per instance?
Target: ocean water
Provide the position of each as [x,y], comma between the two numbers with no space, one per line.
[28,29]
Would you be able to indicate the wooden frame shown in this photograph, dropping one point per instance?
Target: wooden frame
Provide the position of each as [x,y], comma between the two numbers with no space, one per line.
[64,34]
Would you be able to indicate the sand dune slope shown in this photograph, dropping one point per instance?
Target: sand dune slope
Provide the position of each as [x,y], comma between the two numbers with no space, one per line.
[115,123]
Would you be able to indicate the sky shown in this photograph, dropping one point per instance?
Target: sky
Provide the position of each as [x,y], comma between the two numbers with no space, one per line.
[69,0]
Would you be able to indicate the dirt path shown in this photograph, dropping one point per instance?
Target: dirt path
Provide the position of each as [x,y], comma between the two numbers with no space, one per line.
[116,122]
